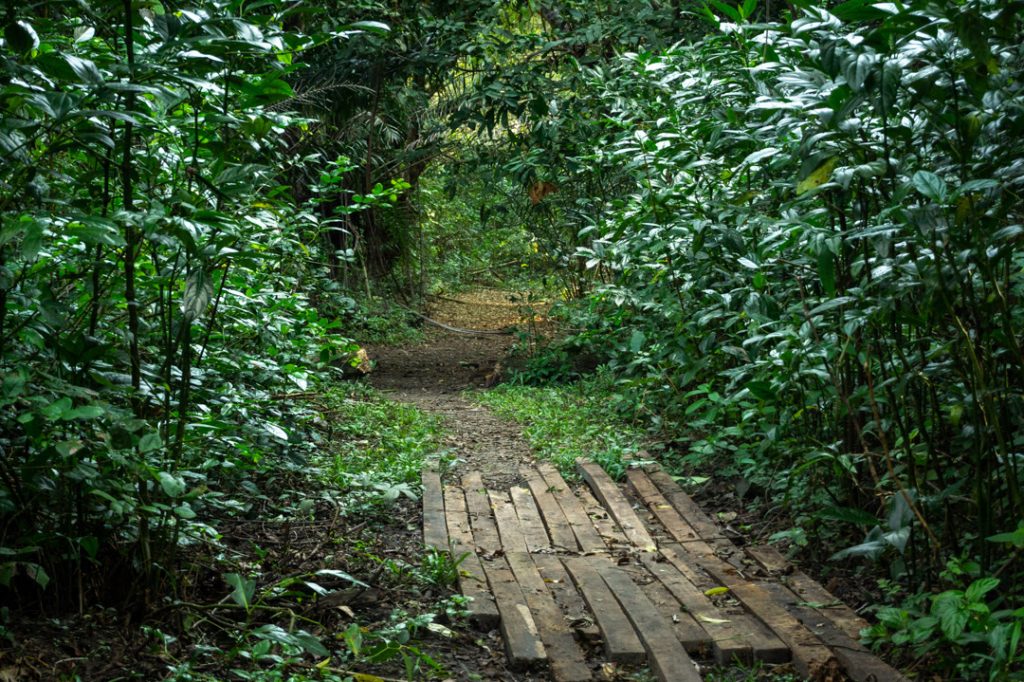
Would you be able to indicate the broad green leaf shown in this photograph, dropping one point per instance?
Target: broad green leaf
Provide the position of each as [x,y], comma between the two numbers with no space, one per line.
[173,485]
[1015,538]
[56,409]
[353,636]
[370,26]
[832,304]
[198,292]
[243,591]
[84,412]
[760,155]
[761,389]
[21,37]
[827,270]
[818,177]
[848,515]
[84,33]
[275,431]
[150,442]
[980,587]
[185,511]
[948,607]
[930,185]
[636,341]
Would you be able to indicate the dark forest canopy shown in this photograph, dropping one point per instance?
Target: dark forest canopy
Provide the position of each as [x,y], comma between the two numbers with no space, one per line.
[790,233]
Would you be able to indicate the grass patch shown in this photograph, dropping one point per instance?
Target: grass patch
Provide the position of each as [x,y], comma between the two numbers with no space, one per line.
[568,421]
[376,447]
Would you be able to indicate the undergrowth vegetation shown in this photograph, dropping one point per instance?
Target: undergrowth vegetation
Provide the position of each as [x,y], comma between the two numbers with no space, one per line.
[569,421]
[810,270]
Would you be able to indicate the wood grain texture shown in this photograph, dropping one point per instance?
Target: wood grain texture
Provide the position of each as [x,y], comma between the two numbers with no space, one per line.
[472,580]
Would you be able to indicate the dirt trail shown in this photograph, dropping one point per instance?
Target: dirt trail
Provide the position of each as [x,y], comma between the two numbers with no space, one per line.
[433,374]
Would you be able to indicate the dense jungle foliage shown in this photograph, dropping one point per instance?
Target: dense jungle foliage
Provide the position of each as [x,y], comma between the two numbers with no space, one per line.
[789,233]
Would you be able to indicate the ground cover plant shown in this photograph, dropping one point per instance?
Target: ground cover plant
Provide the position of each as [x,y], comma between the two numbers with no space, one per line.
[563,423]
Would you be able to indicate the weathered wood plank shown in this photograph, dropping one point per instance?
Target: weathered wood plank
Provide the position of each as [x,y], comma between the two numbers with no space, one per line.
[670,518]
[529,520]
[692,636]
[583,528]
[571,602]
[621,643]
[729,642]
[859,663]
[567,661]
[602,520]
[472,580]
[665,656]
[615,502]
[811,658]
[769,646]
[809,590]
[523,645]
[558,526]
[764,644]
[435,528]
[485,532]
[509,530]
[703,524]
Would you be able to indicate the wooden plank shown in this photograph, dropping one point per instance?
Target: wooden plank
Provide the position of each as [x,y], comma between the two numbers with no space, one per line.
[529,520]
[571,602]
[764,644]
[665,656]
[583,528]
[683,517]
[811,658]
[485,532]
[608,493]
[858,663]
[692,636]
[558,526]
[509,530]
[602,520]
[472,581]
[567,661]
[670,518]
[703,524]
[435,528]
[808,590]
[678,527]
[621,643]
[729,643]
[523,645]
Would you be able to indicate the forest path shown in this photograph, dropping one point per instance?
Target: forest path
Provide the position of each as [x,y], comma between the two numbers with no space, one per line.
[433,374]
[590,582]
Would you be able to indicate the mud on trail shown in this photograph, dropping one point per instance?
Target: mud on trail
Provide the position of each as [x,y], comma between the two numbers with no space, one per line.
[434,374]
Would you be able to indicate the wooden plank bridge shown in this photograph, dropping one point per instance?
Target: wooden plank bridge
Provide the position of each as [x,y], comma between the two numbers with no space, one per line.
[578,578]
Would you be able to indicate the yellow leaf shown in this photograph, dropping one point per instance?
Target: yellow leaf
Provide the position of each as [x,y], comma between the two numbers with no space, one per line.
[365,677]
[715,591]
[818,177]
